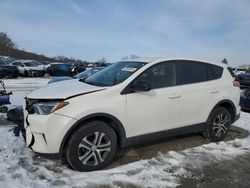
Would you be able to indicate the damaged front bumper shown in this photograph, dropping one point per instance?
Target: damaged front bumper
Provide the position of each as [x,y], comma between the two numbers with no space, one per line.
[45,133]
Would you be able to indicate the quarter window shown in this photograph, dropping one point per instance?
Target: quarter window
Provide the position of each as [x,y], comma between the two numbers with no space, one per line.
[160,75]
[214,72]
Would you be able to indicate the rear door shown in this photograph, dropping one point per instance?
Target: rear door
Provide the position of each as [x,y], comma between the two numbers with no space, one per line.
[199,89]
[157,109]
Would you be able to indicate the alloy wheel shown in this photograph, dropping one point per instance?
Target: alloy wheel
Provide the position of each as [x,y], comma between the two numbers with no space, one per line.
[94,148]
[220,125]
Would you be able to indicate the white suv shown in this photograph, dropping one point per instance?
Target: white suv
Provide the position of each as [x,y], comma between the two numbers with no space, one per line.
[129,102]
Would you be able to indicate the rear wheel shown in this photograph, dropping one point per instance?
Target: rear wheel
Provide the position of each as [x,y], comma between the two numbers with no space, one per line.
[91,147]
[218,124]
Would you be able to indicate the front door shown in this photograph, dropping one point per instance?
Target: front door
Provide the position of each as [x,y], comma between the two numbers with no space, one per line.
[158,109]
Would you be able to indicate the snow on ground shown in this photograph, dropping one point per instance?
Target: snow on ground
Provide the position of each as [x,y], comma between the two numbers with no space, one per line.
[20,167]
[22,86]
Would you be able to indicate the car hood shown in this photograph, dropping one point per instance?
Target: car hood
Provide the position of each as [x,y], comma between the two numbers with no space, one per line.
[63,90]
[59,79]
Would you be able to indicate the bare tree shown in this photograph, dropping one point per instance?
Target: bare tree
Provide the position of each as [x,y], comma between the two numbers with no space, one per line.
[6,42]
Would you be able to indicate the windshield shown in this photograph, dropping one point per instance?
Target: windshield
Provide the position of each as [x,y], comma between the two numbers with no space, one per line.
[84,74]
[114,74]
[87,72]
[30,64]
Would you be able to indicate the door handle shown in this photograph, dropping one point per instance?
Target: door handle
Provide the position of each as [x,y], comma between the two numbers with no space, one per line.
[214,91]
[174,96]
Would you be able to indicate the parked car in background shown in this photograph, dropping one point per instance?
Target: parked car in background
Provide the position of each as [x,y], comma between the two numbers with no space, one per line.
[5,59]
[239,71]
[245,100]
[60,69]
[7,70]
[244,80]
[29,68]
[41,65]
[80,67]
[81,75]
[130,102]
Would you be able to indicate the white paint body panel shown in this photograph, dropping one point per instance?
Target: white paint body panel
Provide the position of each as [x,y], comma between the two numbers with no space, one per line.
[140,113]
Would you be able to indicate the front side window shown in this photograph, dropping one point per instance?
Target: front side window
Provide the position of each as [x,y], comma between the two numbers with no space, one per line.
[160,75]
[114,74]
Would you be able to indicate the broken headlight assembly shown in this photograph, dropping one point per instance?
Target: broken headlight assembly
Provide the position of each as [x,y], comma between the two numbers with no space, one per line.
[45,108]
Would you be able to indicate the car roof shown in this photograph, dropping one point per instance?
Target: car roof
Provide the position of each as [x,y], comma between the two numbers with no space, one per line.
[143,60]
[158,59]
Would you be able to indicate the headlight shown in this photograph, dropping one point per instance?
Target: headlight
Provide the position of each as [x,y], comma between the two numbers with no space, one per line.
[48,107]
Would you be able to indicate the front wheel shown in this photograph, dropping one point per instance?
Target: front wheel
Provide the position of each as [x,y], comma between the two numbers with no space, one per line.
[91,147]
[218,124]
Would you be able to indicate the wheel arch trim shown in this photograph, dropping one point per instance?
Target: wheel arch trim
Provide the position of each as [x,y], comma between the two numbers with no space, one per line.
[118,128]
[225,101]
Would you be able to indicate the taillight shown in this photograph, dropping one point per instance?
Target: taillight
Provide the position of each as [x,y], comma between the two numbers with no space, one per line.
[236,84]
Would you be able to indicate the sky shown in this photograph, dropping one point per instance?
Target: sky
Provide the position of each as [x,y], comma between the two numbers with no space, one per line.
[93,29]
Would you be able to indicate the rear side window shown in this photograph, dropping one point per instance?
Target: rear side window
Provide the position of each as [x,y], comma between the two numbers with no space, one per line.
[214,72]
[192,72]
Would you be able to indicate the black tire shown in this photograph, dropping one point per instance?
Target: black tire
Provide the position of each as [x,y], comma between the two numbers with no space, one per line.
[85,142]
[218,124]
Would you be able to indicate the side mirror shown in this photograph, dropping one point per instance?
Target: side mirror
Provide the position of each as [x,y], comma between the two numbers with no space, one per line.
[140,86]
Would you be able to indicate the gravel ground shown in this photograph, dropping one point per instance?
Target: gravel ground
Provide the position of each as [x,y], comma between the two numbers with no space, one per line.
[232,173]
[178,143]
